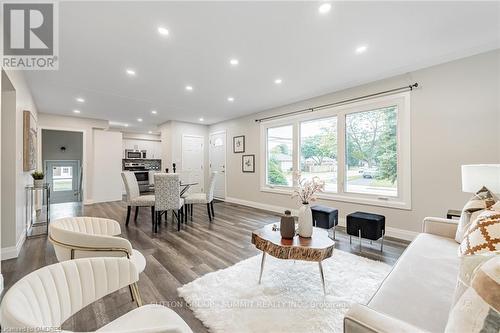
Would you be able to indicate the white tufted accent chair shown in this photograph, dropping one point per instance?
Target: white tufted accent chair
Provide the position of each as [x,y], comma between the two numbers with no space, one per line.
[83,237]
[168,197]
[134,197]
[203,198]
[44,299]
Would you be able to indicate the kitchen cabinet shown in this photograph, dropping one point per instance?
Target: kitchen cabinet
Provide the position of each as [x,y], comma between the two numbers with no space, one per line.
[153,148]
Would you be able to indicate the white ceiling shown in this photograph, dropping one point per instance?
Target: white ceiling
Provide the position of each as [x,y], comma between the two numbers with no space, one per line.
[314,54]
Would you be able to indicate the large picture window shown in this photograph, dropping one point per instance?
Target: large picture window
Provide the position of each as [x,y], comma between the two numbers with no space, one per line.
[279,156]
[318,151]
[371,152]
[361,151]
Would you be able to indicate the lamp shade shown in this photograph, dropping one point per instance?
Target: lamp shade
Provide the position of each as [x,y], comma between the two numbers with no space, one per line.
[475,176]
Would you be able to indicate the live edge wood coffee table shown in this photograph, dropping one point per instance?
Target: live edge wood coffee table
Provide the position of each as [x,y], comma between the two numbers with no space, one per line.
[317,248]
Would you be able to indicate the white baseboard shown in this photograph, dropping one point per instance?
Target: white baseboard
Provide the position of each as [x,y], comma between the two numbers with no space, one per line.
[390,231]
[1,283]
[13,251]
[254,204]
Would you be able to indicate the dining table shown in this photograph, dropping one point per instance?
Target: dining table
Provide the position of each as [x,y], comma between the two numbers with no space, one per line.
[184,187]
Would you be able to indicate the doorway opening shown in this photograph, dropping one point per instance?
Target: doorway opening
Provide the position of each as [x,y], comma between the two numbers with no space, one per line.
[62,154]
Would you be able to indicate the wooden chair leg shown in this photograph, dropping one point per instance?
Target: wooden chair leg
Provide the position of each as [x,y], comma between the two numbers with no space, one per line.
[179,220]
[136,212]
[212,207]
[191,211]
[158,221]
[153,217]
[208,212]
[128,215]
[186,212]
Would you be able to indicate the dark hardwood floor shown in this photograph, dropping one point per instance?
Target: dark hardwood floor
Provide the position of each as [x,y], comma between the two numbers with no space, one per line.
[173,258]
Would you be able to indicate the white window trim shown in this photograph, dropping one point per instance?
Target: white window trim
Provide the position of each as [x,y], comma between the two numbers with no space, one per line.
[402,100]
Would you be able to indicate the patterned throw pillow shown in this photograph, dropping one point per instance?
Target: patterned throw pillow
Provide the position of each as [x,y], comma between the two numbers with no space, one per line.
[483,234]
[482,200]
[477,310]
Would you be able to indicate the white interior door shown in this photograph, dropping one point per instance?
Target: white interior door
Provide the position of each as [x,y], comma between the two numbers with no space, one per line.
[217,155]
[192,162]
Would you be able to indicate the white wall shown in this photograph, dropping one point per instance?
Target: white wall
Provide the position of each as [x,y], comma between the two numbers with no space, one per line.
[8,169]
[12,242]
[171,138]
[455,120]
[107,182]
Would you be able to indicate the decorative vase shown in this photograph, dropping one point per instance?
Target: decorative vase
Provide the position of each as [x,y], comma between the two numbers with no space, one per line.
[287,225]
[38,182]
[305,221]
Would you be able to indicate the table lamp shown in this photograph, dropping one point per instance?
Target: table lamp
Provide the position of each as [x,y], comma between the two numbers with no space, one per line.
[475,176]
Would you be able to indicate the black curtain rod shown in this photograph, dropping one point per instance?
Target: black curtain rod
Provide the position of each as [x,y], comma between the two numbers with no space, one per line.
[319,107]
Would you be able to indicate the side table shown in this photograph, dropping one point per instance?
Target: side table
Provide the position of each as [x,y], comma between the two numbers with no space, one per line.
[453,213]
[36,223]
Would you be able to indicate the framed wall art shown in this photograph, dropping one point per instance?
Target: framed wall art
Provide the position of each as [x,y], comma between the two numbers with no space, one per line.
[248,163]
[29,141]
[239,144]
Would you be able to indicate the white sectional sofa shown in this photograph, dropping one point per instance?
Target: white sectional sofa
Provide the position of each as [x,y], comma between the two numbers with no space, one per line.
[417,295]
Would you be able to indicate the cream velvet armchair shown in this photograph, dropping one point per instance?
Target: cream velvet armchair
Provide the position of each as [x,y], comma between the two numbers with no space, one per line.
[82,237]
[44,299]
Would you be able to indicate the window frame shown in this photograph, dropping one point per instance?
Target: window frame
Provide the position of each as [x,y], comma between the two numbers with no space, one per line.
[300,141]
[403,198]
[278,188]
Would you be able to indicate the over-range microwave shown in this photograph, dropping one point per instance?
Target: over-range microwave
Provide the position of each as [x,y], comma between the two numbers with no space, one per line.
[135,154]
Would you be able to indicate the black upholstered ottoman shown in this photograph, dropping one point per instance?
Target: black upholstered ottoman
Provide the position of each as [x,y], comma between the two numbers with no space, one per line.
[325,217]
[366,225]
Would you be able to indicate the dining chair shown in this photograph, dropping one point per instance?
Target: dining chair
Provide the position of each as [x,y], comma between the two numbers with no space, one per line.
[203,198]
[135,199]
[167,197]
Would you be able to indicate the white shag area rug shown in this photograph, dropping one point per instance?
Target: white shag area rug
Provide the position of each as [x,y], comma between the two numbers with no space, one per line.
[290,298]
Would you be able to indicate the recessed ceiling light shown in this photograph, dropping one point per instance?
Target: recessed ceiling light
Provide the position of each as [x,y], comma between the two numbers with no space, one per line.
[126,125]
[154,111]
[80,100]
[163,31]
[201,119]
[278,81]
[324,8]
[76,111]
[230,99]
[139,120]
[234,62]
[361,49]
[150,132]
[189,88]
[130,72]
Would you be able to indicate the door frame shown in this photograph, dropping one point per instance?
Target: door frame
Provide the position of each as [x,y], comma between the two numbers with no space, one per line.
[79,168]
[85,167]
[225,159]
[202,158]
